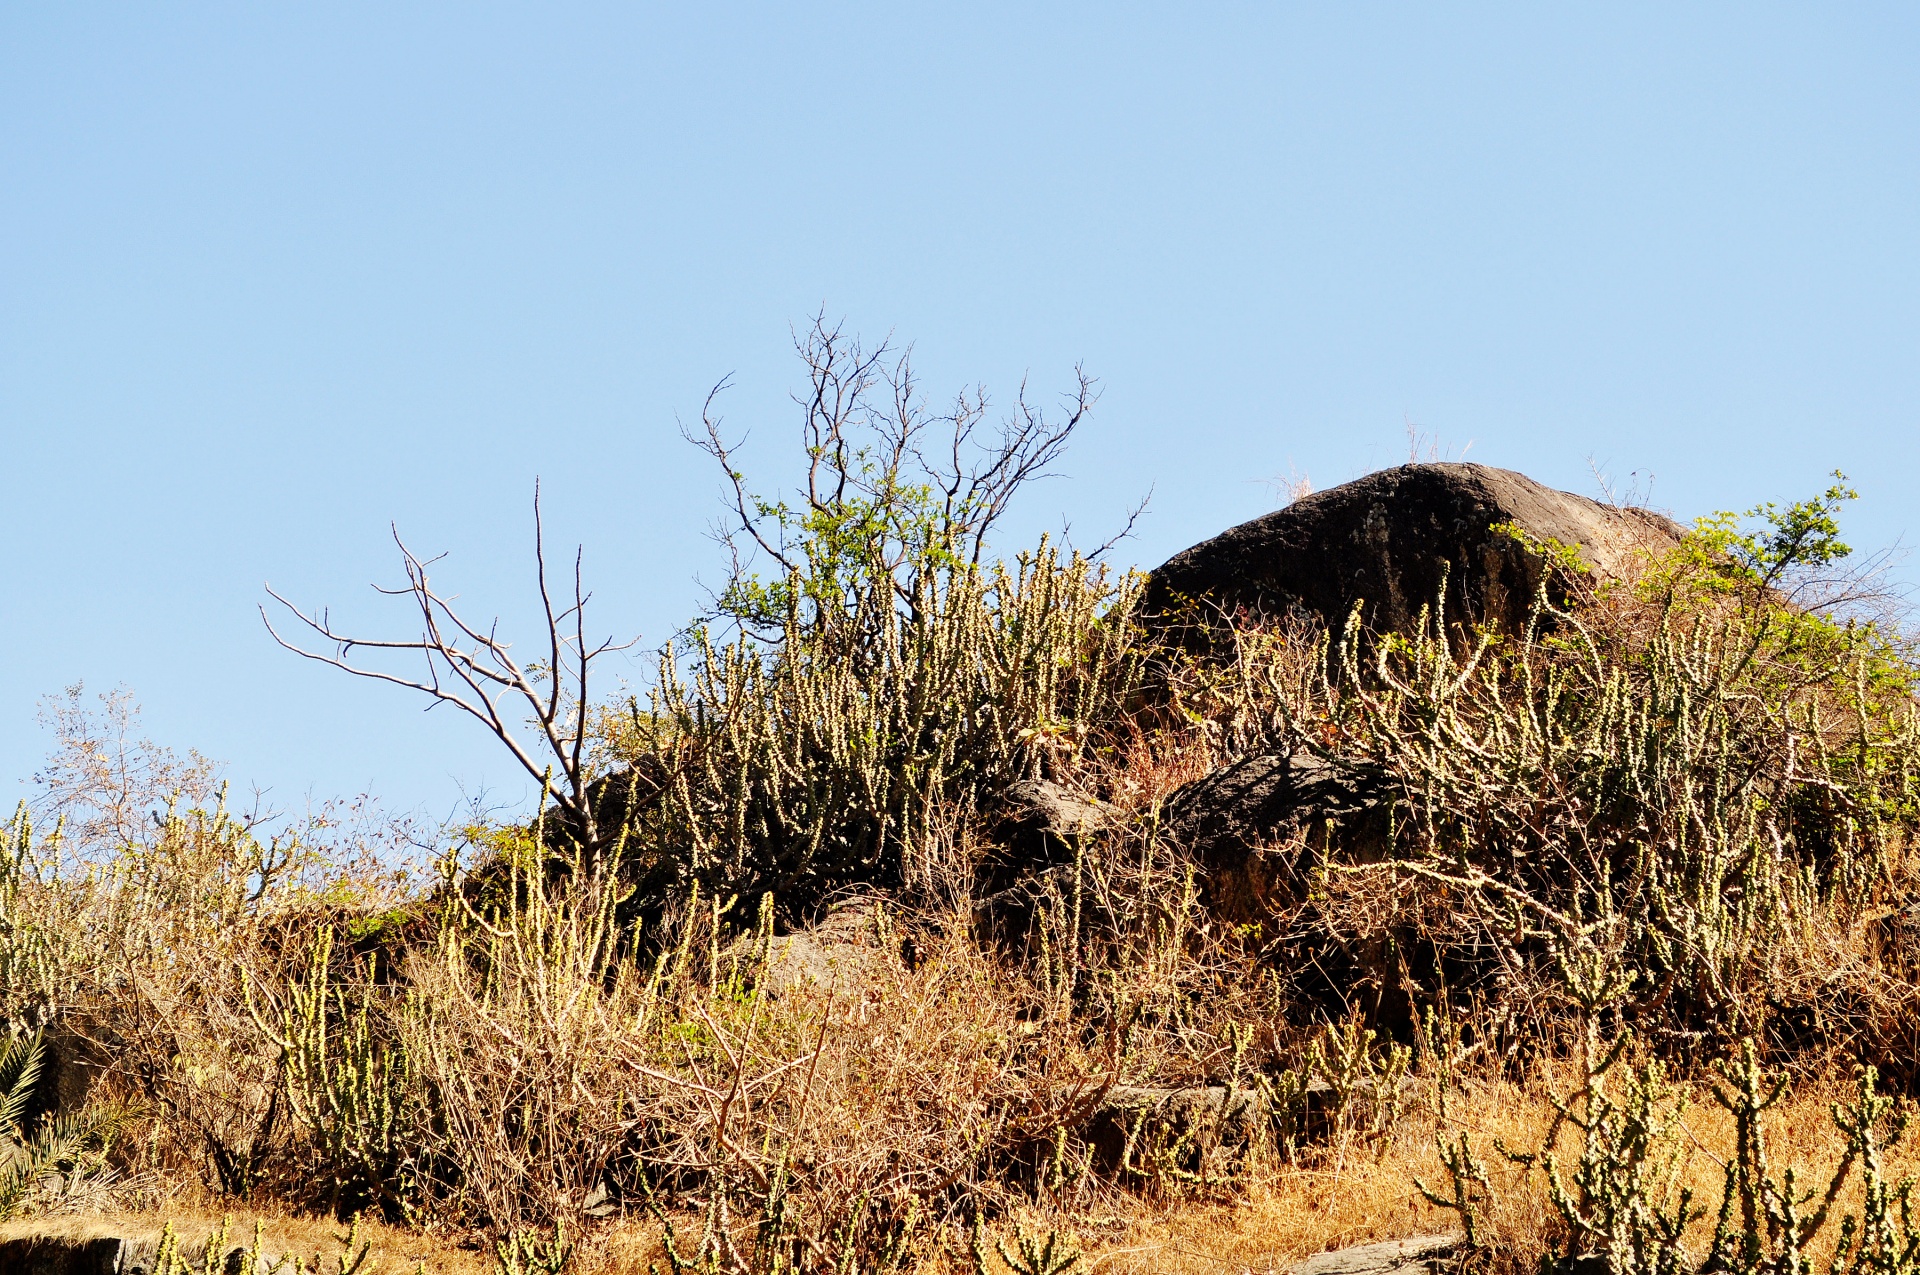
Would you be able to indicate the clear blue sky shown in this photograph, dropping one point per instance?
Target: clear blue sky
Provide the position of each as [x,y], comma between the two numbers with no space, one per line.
[272,275]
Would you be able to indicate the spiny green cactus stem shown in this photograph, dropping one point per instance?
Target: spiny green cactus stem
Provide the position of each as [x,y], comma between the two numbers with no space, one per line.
[346,1084]
[825,755]
[1471,1187]
[1054,1254]
[529,1252]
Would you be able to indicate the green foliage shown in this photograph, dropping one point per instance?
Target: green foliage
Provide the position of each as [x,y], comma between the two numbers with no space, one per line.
[890,487]
[876,523]
[1803,535]
[1559,556]
[20,1060]
[888,673]
[53,1154]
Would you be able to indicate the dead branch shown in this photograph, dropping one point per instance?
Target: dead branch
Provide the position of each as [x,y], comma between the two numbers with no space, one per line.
[471,668]
[874,448]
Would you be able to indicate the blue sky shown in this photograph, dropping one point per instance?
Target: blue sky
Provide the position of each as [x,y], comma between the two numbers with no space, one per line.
[273,276]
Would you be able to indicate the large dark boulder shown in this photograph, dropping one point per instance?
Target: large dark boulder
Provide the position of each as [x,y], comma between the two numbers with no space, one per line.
[1388,543]
[1253,824]
[1389,539]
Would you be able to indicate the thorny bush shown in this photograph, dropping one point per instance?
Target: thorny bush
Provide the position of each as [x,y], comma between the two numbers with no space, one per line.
[1673,814]
[1727,786]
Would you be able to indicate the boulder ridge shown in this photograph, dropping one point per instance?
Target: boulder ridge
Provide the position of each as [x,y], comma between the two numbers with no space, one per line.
[1388,540]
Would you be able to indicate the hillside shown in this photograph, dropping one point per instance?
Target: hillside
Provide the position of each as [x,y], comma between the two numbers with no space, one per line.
[1439,853]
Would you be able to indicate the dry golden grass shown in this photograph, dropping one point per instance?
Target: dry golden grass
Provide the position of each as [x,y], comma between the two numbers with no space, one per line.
[1283,1214]
[488,1057]
[1295,1215]
[395,1250]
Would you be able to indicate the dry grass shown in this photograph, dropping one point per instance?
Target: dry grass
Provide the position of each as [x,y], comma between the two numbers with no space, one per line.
[1292,1213]
[1277,1224]
[395,1250]
[535,1035]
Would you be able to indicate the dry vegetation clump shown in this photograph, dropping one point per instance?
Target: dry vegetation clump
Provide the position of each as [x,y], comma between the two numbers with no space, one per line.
[1717,786]
[836,752]
[1653,850]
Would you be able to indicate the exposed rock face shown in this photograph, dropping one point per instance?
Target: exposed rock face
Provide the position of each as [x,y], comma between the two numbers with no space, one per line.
[1230,816]
[1389,539]
[1037,823]
[1387,542]
[1038,827]
[1040,807]
[1134,1124]
[61,1255]
[848,952]
[1420,1255]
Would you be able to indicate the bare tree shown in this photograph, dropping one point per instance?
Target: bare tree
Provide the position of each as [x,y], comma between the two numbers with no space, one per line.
[106,782]
[884,470]
[472,668]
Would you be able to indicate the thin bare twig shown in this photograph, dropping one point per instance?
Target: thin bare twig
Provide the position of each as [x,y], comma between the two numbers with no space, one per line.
[474,670]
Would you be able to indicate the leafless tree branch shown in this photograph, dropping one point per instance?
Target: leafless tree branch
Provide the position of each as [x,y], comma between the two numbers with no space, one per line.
[872,445]
[473,670]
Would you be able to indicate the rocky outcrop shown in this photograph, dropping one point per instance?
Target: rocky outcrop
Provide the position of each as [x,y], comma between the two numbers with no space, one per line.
[1388,540]
[1250,822]
[1136,1125]
[1038,826]
[849,951]
[61,1255]
[1387,543]
[1038,822]
[1420,1255]
[1050,815]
